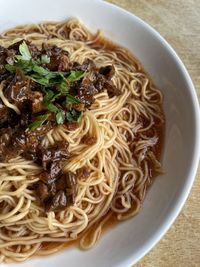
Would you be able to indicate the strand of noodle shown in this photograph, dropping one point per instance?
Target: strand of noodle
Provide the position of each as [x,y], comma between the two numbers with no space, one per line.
[9,214]
[94,235]
[6,102]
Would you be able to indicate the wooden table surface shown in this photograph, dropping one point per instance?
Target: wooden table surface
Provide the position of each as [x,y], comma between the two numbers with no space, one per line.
[178,21]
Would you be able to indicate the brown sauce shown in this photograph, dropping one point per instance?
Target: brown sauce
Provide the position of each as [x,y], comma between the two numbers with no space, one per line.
[111,222]
[45,246]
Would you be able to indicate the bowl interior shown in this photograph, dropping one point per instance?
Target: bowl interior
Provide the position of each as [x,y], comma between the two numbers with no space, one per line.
[129,241]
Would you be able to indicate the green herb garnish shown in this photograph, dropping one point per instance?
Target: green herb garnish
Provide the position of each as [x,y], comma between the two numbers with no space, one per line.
[72,100]
[39,121]
[51,107]
[45,59]
[59,117]
[64,87]
[47,79]
[24,51]
[73,115]
[76,75]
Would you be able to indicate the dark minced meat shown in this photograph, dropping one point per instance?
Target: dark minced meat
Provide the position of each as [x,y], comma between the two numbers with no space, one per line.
[57,202]
[26,143]
[36,99]
[2,59]
[17,90]
[83,173]
[58,194]
[42,191]
[86,94]
[15,46]
[26,114]
[35,52]
[51,160]
[55,189]
[4,76]
[88,65]
[107,71]
[112,90]
[20,90]
[4,113]
[55,153]
[71,126]
[59,59]
[99,80]
[89,140]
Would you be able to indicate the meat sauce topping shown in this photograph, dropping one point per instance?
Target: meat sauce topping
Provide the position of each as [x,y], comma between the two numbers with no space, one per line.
[47,89]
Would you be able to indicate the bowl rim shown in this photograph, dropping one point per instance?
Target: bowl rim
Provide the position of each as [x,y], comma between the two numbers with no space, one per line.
[181,199]
[186,188]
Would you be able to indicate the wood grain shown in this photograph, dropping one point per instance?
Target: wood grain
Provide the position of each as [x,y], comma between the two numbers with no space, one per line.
[178,21]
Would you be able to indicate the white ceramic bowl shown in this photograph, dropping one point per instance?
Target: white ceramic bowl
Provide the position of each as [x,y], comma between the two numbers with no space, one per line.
[128,242]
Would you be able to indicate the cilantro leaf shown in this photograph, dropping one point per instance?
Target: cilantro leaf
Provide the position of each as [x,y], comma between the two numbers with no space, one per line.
[72,100]
[38,79]
[40,70]
[24,65]
[36,124]
[48,96]
[64,89]
[10,68]
[45,59]
[24,51]
[73,115]
[38,121]
[51,107]
[55,96]
[59,118]
[75,75]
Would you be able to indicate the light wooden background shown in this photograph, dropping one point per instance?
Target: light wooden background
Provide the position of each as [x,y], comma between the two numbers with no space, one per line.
[178,21]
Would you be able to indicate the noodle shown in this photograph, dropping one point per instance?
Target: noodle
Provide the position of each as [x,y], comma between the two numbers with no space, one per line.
[122,162]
